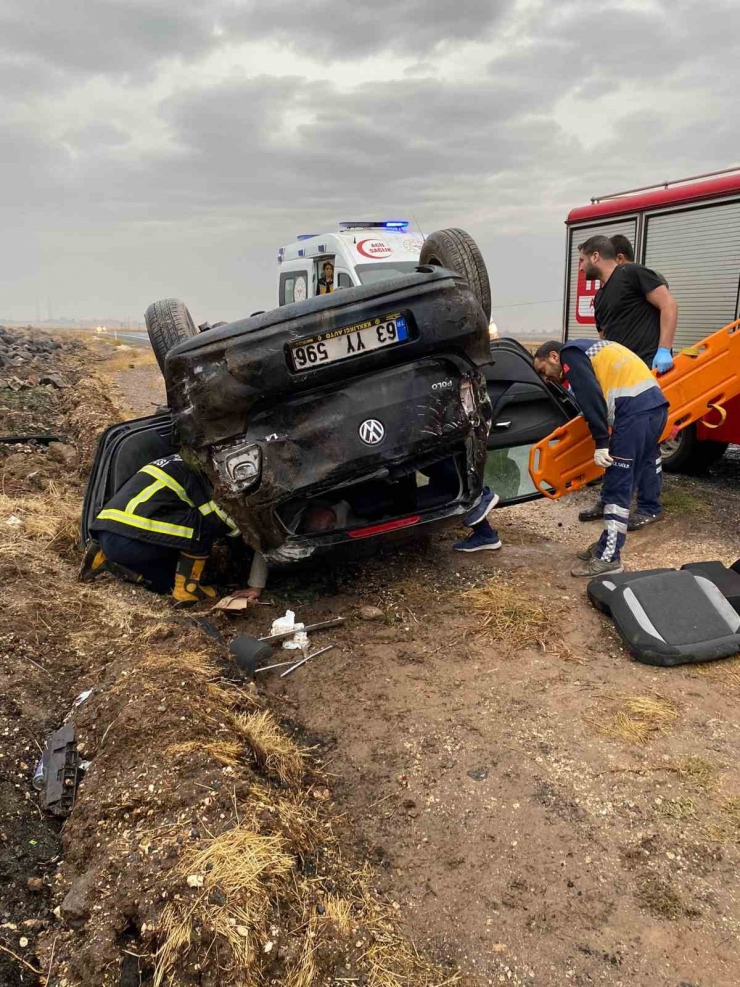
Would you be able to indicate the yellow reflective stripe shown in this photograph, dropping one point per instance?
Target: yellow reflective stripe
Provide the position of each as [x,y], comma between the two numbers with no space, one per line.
[143,495]
[168,481]
[146,524]
[211,507]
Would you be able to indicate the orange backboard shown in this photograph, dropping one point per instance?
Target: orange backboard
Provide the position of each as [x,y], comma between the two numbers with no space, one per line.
[701,381]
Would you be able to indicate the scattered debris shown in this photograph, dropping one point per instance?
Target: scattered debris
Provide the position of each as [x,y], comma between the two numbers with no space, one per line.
[248,652]
[57,772]
[53,380]
[303,661]
[309,628]
[233,603]
[371,613]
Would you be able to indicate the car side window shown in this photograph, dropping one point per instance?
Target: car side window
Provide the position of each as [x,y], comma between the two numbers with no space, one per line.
[293,287]
[344,280]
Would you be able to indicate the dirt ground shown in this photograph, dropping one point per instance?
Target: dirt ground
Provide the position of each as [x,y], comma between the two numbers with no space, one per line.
[534,807]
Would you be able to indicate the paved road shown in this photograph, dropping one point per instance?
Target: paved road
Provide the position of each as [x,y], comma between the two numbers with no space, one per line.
[134,338]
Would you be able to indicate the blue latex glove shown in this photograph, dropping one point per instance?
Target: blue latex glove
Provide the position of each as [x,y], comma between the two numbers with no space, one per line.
[663,360]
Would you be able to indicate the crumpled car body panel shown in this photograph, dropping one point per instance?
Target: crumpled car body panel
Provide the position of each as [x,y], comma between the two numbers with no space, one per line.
[236,388]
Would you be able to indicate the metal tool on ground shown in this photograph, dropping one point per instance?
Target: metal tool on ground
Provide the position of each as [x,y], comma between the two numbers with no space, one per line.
[274,638]
[303,661]
[280,664]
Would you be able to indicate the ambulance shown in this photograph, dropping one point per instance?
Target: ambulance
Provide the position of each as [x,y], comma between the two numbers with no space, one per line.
[688,231]
[355,254]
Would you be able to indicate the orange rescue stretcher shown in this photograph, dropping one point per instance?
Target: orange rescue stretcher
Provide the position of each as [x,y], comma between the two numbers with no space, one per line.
[703,378]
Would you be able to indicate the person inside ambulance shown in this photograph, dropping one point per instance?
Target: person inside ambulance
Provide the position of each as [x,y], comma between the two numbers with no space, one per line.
[325,284]
[158,531]
[614,390]
[633,307]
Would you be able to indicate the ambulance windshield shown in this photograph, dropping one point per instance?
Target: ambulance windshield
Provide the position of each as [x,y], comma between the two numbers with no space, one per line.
[370,273]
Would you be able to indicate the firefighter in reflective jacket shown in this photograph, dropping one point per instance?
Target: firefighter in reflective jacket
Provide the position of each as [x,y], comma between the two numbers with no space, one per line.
[158,530]
[615,390]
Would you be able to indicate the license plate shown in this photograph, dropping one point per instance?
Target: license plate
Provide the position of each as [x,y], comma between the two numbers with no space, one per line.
[341,344]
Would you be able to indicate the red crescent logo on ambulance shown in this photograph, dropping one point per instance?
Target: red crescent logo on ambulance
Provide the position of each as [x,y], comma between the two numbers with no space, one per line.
[374,249]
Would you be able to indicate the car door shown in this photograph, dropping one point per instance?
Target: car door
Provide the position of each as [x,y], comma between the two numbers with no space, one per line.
[525,410]
[122,450]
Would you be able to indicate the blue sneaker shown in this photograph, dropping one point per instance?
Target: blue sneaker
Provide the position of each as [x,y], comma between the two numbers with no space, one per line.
[487,504]
[479,541]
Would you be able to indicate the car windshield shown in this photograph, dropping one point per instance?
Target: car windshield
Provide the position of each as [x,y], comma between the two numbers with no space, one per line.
[370,273]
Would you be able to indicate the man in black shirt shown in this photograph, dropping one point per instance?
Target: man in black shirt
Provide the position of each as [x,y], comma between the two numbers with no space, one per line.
[626,254]
[633,307]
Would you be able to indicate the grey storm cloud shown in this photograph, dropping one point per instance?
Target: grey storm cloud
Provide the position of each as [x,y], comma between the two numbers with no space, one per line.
[363,27]
[110,37]
[199,183]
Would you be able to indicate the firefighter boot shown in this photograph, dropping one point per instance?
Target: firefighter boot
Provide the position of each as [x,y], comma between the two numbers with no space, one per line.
[94,562]
[188,588]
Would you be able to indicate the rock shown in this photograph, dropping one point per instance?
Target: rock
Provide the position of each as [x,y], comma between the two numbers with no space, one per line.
[55,380]
[371,613]
[195,881]
[478,774]
[34,923]
[76,904]
[217,897]
[35,884]
[62,453]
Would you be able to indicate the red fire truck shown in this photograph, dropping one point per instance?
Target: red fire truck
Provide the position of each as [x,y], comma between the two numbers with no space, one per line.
[688,231]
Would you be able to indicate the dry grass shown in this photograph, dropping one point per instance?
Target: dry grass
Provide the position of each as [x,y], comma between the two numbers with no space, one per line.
[678,808]
[226,752]
[240,872]
[725,825]
[638,719]
[509,616]
[658,897]
[698,772]
[726,672]
[275,753]
[51,518]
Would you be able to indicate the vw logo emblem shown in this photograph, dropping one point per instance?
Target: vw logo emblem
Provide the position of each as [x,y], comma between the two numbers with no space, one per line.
[371,432]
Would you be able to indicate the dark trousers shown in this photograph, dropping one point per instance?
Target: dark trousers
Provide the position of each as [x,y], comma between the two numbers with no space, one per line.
[156,563]
[635,449]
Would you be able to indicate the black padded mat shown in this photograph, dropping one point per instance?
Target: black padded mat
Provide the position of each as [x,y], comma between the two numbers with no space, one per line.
[726,580]
[601,590]
[675,618]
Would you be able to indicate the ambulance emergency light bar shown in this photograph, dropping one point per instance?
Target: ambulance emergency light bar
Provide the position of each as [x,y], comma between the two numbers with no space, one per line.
[386,224]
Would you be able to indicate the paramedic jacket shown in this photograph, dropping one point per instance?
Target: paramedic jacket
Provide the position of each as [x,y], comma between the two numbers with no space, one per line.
[167,503]
[608,381]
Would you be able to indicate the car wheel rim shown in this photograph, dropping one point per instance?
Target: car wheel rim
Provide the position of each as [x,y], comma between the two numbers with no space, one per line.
[670,447]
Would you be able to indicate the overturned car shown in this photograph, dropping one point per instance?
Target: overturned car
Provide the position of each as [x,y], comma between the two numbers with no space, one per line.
[361,414]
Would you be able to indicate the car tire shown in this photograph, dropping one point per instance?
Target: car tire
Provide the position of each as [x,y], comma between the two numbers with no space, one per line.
[457,251]
[168,322]
[686,454]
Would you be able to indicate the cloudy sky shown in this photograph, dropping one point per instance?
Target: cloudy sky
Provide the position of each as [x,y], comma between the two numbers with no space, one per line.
[152,148]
